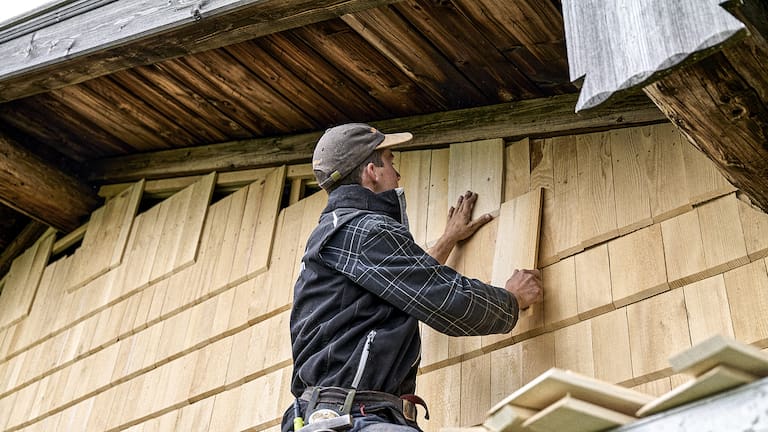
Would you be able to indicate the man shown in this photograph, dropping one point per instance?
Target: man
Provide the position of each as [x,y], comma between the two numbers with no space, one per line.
[365,284]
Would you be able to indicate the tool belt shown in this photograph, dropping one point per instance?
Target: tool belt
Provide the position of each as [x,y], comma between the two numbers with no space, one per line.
[405,404]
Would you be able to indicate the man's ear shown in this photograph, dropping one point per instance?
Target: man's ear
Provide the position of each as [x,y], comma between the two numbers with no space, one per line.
[368,177]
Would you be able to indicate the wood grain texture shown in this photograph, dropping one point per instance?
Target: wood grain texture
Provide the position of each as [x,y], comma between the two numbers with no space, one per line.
[516,248]
[611,347]
[439,201]
[658,329]
[414,168]
[508,418]
[478,167]
[754,222]
[554,384]
[747,289]
[709,312]
[22,282]
[475,389]
[559,285]
[35,187]
[536,118]
[165,33]
[593,282]
[720,113]
[716,380]
[720,350]
[630,183]
[704,180]
[637,266]
[721,234]
[577,416]
[542,175]
[565,227]
[640,46]
[440,387]
[683,249]
[597,204]
[663,162]
[517,169]
[573,348]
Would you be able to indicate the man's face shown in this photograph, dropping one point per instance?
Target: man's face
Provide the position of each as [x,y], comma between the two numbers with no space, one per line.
[387,175]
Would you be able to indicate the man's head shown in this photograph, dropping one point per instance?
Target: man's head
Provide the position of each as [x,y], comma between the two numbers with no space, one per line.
[356,153]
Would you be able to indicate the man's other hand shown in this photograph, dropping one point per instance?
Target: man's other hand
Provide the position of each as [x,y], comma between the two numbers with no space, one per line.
[525,285]
[460,226]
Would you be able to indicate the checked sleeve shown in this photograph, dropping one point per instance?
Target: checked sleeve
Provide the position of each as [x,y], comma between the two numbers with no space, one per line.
[380,256]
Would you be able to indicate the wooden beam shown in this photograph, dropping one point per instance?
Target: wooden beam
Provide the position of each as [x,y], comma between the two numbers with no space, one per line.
[121,34]
[721,105]
[40,190]
[532,118]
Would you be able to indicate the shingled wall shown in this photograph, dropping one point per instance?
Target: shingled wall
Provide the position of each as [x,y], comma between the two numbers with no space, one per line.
[176,317]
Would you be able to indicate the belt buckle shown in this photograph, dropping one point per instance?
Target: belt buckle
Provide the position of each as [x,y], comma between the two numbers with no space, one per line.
[409,410]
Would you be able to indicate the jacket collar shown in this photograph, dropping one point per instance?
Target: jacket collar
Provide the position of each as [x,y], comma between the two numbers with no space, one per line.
[390,203]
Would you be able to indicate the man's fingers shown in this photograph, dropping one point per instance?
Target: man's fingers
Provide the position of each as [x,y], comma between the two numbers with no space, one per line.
[450,212]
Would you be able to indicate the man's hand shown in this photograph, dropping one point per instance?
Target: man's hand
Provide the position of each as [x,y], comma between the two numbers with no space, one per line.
[460,226]
[525,285]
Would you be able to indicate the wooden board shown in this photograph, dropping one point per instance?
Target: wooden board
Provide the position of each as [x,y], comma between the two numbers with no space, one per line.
[716,380]
[414,168]
[475,393]
[721,234]
[663,162]
[542,175]
[193,224]
[516,247]
[597,205]
[611,351]
[477,167]
[575,415]
[658,329]
[554,384]
[508,418]
[721,350]
[683,249]
[747,289]
[441,388]
[565,227]
[21,283]
[709,312]
[703,178]
[517,169]
[105,239]
[573,349]
[439,201]
[559,285]
[593,282]
[754,222]
[637,266]
[630,183]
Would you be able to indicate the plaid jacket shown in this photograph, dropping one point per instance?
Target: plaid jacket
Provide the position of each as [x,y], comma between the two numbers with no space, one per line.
[363,271]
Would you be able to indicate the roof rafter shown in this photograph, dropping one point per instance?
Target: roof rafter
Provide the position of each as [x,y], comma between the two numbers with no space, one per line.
[122,34]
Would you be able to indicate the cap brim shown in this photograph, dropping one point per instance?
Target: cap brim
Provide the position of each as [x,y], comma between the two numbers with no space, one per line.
[391,140]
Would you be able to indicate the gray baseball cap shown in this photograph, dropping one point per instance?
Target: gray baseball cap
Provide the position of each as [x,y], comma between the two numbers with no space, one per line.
[343,148]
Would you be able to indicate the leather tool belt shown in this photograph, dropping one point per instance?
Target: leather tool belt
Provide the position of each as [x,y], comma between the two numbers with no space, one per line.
[406,404]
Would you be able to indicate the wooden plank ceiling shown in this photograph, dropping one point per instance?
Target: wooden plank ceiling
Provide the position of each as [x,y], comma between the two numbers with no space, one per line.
[398,60]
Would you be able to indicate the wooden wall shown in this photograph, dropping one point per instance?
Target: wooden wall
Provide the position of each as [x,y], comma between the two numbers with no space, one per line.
[176,317]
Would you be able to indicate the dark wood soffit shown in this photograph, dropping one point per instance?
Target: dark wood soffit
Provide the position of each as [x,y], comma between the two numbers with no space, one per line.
[531,118]
[125,33]
[721,104]
[38,189]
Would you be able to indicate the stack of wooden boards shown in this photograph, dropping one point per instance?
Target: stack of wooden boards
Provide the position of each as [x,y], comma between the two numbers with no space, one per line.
[560,400]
